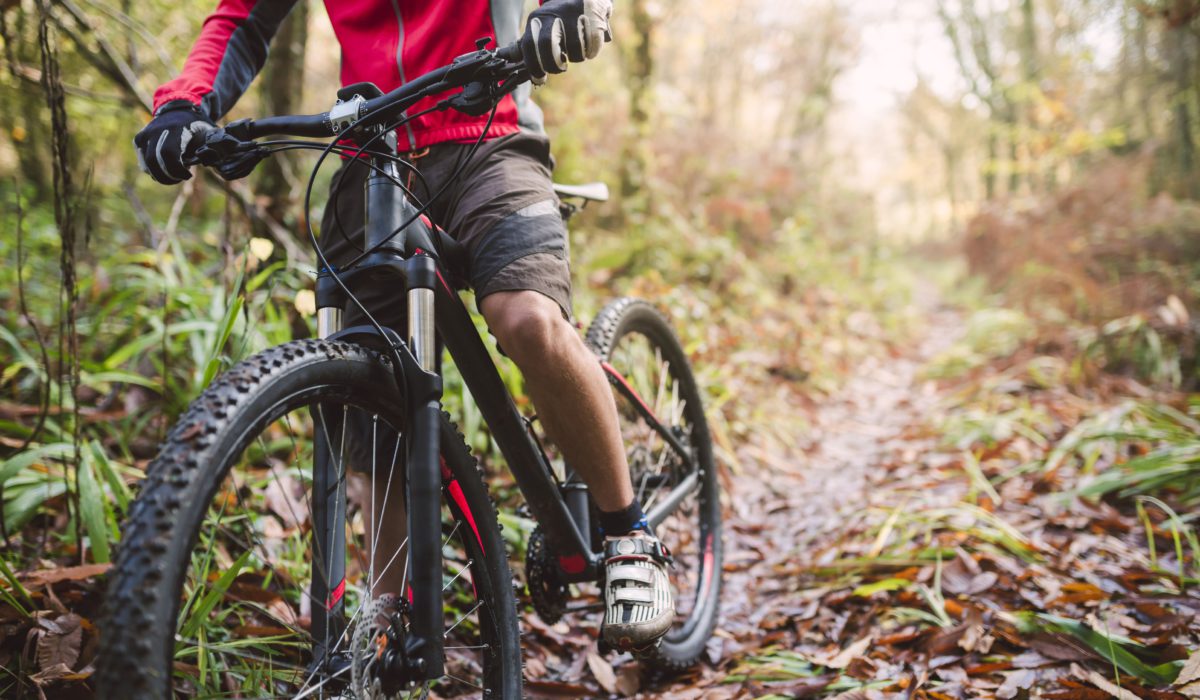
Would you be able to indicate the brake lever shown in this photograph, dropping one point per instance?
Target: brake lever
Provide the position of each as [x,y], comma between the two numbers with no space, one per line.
[486,76]
[232,157]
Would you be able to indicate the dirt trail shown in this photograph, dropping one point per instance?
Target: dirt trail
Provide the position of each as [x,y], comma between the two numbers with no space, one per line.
[785,511]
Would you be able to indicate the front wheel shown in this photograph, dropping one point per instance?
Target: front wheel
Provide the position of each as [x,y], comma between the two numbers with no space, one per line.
[250,565]
[649,373]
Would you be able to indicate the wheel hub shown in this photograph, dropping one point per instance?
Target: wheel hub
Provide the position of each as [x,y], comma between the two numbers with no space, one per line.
[386,660]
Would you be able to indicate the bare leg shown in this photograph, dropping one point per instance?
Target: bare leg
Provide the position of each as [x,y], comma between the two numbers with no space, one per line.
[567,387]
[574,403]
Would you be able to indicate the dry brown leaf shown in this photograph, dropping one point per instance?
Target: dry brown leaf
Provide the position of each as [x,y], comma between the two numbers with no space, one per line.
[558,689]
[629,680]
[1109,687]
[51,674]
[285,498]
[602,670]
[1190,671]
[59,642]
[1014,682]
[37,579]
[841,659]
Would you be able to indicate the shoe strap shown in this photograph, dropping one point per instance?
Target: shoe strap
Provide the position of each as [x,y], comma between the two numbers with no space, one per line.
[636,547]
[644,596]
[630,572]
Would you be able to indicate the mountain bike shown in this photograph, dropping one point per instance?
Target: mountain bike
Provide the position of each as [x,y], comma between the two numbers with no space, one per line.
[249,560]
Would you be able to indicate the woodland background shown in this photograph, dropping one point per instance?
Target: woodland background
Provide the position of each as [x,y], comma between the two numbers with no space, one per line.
[810,188]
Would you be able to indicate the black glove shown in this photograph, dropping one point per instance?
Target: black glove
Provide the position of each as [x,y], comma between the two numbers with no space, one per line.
[564,30]
[232,157]
[175,132]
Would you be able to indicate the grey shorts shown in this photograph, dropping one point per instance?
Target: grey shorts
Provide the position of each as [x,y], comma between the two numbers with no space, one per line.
[502,208]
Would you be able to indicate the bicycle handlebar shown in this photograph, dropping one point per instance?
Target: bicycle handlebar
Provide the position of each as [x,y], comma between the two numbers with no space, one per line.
[503,68]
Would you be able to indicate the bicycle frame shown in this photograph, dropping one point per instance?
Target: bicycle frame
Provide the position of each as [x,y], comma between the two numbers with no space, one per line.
[437,316]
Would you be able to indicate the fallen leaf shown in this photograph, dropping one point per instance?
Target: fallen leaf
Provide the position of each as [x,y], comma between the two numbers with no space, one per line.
[37,579]
[1078,592]
[1030,659]
[557,689]
[59,642]
[602,671]
[629,680]
[1190,671]
[285,498]
[842,658]
[1109,687]
[1015,682]
[51,674]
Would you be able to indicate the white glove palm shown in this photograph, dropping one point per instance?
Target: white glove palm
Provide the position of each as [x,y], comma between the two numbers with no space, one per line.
[564,31]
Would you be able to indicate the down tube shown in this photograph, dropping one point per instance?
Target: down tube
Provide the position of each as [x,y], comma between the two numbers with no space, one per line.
[524,458]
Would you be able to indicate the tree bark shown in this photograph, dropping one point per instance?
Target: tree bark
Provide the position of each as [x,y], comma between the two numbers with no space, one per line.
[635,160]
[281,89]
[1185,145]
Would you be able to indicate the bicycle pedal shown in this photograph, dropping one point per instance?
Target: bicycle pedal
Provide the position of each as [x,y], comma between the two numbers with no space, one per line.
[638,652]
[648,651]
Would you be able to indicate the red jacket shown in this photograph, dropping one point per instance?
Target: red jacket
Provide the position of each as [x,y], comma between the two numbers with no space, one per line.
[386,42]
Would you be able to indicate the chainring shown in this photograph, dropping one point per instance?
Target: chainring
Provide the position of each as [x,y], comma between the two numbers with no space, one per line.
[546,591]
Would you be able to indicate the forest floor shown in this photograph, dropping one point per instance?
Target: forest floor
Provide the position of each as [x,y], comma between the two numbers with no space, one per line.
[949,522]
[786,507]
[867,561]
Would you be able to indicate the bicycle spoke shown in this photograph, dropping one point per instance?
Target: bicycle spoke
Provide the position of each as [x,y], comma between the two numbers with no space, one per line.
[390,561]
[375,516]
[381,517]
[453,530]
[461,618]
[460,573]
[464,682]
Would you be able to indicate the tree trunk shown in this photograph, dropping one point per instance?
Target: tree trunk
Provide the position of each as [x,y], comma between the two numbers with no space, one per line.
[635,160]
[1030,70]
[989,168]
[281,88]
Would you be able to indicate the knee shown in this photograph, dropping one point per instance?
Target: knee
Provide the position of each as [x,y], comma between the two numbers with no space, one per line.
[529,327]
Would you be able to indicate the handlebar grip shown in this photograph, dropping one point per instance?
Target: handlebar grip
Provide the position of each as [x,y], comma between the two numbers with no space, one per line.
[511,53]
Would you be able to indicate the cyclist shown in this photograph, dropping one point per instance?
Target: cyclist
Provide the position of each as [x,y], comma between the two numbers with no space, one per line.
[501,207]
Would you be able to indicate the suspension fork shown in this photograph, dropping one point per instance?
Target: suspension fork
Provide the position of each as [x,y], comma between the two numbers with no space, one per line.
[386,207]
[328,584]
[424,394]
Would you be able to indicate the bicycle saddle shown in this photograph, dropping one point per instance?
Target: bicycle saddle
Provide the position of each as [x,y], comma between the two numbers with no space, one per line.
[593,191]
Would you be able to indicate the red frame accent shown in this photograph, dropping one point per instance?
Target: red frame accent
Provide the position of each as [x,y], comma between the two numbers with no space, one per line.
[460,500]
[572,563]
[612,372]
[336,594]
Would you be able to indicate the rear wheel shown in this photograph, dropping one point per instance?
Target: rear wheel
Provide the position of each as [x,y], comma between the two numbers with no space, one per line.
[646,364]
[235,579]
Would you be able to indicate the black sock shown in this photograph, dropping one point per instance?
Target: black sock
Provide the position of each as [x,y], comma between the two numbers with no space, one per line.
[623,521]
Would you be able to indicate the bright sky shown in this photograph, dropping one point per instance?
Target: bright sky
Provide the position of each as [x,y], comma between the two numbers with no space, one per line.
[898,42]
